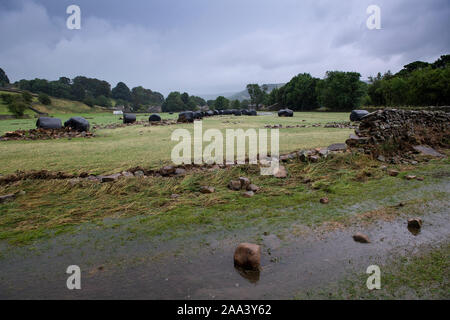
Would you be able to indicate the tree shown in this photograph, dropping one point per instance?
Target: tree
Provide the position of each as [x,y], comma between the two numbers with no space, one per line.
[257,94]
[44,99]
[27,97]
[340,91]
[15,104]
[236,104]
[121,91]
[143,98]
[221,103]
[3,78]
[173,103]
[298,94]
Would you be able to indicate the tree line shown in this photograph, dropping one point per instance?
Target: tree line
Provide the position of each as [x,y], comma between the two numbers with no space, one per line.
[93,91]
[417,84]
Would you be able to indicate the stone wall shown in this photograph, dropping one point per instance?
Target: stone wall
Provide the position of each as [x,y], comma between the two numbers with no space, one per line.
[389,131]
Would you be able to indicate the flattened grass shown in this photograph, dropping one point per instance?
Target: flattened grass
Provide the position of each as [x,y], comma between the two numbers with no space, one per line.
[56,206]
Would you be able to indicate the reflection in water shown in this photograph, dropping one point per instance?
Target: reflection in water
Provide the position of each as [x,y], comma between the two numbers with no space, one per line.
[251,275]
[414,231]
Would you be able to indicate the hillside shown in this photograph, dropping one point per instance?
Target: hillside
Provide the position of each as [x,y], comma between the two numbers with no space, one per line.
[58,106]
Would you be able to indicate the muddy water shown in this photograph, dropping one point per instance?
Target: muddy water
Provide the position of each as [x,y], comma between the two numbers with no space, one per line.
[202,268]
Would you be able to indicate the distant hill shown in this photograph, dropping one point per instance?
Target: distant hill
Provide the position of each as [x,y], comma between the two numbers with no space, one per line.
[241,95]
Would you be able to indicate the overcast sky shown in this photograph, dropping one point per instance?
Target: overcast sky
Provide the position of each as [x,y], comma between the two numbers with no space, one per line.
[214,46]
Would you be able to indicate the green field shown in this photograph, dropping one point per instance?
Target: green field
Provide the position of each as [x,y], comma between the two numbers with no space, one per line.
[113,150]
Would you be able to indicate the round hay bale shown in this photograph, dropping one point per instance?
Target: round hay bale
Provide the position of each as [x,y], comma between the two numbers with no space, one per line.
[357,115]
[77,123]
[186,116]
[154,118]
[49,123]
[285,113]
[129,118]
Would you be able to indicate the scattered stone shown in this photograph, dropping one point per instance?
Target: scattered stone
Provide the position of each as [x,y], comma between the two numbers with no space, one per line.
[415,223]
[235,185]
[324,200]
[427,151]
[180,171]
[127,174]
[206,189]
[110,178]
[248,194]
[139,173]
[167,170]
[7,197]
[280,172]
[247,256]
[174,195]
[393,173]
[420,178]
[361,237]
[252,187]
[245,182]
[381,158]
[313,158]
[74,182]
[337,147]
[410,177]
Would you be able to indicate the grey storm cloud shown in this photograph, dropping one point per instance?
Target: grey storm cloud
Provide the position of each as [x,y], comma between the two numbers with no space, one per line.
[202,46]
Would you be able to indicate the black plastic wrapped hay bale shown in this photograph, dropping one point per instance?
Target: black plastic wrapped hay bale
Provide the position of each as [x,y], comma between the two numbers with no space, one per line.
[252,113]
[357,115]
[209,113]
[49,123]
[198,115]
[154,118]
[237,112]
[186,116]
[129,118]
[285,113]
[77,123]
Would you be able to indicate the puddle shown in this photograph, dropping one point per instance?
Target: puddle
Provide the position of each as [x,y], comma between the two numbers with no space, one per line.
[205,270]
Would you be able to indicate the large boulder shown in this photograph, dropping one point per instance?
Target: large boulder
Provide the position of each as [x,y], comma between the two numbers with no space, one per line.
[247,256]
[357,115]
[186,116]
[129,118]
[154,118]
[77,123]
[285,113]
[49,123]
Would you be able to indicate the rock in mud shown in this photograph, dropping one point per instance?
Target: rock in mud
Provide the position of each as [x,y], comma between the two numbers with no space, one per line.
[280,172]
[139,173]
[235,185]
[361,237]
[7,197]
[127,174]
[180,171]
[415,223]
[206,189]
[324,200]
[247,256]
